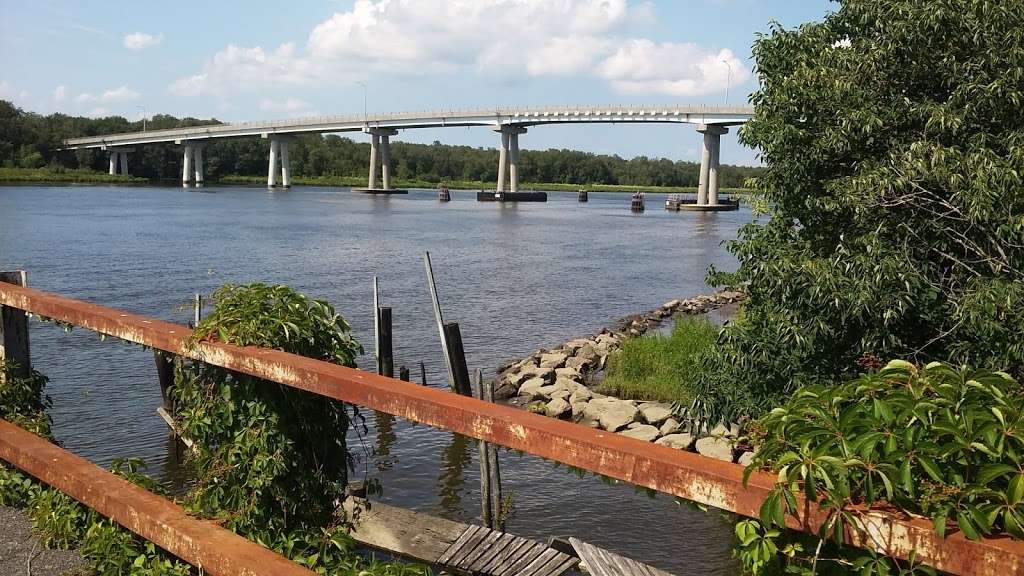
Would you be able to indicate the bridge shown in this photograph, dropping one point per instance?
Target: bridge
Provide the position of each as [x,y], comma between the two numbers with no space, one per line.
[711,121]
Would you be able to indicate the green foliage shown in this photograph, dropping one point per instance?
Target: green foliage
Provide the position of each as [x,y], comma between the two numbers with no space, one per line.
[26,139]
[937,441]
[269,458]
[894,185]
[62,174]
[658,367]
[22,401]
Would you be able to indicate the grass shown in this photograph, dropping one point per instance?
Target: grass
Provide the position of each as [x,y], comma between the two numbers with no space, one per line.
[64,175]
[658,367]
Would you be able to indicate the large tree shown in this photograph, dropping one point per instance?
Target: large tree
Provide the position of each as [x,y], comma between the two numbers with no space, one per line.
[893,136]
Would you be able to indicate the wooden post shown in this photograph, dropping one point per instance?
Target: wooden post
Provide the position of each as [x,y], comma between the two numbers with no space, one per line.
[494,482]
[198,310]
[376,325]
[457,359]
[403,373]
[14,330]
[440,323]
[165,376]
[487,514]
[423,373]
[387,359]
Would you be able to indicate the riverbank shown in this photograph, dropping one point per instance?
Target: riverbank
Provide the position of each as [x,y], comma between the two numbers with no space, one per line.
[64,175]
[565,383]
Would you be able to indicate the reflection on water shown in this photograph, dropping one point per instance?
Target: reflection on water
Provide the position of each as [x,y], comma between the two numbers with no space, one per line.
[516,277]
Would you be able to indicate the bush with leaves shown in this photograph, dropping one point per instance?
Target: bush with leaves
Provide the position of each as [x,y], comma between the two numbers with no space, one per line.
[893,142]
[943,442]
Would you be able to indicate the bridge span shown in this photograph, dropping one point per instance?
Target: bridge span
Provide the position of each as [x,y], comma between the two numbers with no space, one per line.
[711,121]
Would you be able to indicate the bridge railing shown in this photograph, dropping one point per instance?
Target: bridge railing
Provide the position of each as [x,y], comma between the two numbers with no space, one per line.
[675,472]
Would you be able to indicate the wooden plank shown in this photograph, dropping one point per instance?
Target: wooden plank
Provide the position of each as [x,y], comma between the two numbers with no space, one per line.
[568,563]
[400,531]
[559,563]
[450,553]
[481,549]
[14,329]
[469,547]
[601,562]
[533,568]
[503,542]
[527,555]
[496,563]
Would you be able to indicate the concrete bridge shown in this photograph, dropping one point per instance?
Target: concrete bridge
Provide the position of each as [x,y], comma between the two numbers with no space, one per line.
[510,123]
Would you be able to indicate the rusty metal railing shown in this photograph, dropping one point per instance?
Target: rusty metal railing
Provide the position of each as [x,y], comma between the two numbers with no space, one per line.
[671,471]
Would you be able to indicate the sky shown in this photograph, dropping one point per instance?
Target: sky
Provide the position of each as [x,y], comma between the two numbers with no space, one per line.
[238,60]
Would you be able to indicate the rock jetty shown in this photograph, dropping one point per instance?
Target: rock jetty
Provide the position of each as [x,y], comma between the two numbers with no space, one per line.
[558,383]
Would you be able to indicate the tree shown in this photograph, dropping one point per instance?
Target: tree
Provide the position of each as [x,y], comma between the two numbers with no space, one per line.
[894,143]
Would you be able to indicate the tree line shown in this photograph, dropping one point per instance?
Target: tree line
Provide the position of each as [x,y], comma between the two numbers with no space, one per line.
[30,140]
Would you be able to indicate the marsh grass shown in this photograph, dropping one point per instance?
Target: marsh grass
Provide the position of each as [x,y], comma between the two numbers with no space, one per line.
[659,367]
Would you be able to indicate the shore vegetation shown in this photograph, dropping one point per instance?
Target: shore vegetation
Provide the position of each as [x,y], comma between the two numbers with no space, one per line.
[660,367]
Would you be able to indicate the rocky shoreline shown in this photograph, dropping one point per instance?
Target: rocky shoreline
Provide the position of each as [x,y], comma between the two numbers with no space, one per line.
[561,383]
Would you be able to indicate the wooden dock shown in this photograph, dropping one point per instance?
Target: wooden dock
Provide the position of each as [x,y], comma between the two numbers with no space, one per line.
[461,548]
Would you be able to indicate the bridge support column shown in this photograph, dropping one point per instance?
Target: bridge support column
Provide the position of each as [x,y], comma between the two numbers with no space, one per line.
[508,158]
[380,157]
[113,162]
[279,156]
[186,166]
[197,159]
[707,191]
[123,161]
[374,148]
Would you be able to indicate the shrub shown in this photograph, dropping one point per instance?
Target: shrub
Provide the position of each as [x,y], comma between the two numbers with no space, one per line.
[943,442]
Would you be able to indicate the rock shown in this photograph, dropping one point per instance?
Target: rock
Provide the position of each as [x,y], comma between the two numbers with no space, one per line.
[505,391]
[644,432]
[587,352]
[577,363]
[677,441]
[567,373]
[712,447]
[655,412]
[746,458]
[719,430]
[547,391]
[556,408]
[612,413]
[553,360]
[576,344]
[567,384]
[532,387]
[731,295]
[560,393]
[671,304]
[586,420]
[671,426]
[578,408]
[581,394]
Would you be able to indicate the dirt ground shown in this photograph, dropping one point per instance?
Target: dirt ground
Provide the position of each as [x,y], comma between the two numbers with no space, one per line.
[21,554]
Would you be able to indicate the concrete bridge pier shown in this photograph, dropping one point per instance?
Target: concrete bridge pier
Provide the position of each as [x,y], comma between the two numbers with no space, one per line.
[119,160]
[380,156]
[707,191]
[508,158]
[192,171]
[279,156]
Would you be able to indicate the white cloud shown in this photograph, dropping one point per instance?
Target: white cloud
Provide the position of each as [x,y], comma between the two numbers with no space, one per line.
[98,112]
[291,106]
[60,93]
[504,38]
[121,94]
[677,69]
[141,40]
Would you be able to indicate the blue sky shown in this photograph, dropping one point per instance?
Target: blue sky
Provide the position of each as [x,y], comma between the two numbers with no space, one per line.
[249,60]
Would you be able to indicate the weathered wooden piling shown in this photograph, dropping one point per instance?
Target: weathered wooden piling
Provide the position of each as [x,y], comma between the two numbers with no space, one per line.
[387,359]
[423,373]
[403,373]
[457,359]
[14,329]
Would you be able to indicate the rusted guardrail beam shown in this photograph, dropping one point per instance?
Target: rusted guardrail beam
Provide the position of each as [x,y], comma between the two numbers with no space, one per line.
[676,472]
[203,544]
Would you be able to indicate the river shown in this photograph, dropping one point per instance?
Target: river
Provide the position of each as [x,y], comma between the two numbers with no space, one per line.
[516,277]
